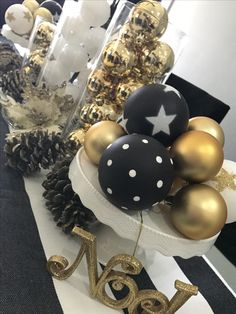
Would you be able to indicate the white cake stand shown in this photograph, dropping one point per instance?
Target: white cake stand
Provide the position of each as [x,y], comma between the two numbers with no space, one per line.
[157,232]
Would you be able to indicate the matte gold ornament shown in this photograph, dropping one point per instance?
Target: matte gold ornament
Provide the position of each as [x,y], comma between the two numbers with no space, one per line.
[158,60]
[99,136]
[44,13]
[117,59]
[197,156]
[92,113]
[124,89]
[98,82]
[149,19]
[198,211]
[32,5]
[207,125]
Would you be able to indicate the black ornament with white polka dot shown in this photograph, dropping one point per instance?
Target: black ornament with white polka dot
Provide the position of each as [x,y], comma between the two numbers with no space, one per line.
[156,110]
[54,8]
[135,172]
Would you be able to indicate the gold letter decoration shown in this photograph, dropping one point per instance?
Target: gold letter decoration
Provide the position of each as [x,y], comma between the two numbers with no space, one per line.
[150,301]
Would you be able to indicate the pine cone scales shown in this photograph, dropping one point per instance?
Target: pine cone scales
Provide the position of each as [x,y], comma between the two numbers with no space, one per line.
[27,152]
[64,204]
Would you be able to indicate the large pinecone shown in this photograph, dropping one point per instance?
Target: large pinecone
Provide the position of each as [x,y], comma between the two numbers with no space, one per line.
[63,202]
[12,83]
[30,151]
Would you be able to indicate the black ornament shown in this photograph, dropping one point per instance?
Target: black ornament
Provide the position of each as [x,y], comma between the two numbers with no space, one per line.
[135,172]
[156,110]
[53,7]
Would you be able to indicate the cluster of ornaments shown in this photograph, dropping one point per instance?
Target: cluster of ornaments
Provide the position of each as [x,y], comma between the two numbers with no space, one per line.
[20,17]
[155,152]
[80,36]
[135,57]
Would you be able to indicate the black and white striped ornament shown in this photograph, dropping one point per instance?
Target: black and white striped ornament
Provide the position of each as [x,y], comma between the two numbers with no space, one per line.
[135,172]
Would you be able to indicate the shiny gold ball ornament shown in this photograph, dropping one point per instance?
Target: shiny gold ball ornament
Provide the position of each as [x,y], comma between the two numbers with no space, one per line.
[78,136]
[198,211]
[92,113]
[124,89]
[207,125]
[32,5]
[197,156]
[98,82]
[149,19]
[158,60]
[44,13]
[99,136]
[117,59]
[44,33]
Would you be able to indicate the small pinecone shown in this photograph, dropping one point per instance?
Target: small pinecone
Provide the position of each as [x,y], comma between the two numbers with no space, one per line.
[12,83]
[64,204]
[30,151]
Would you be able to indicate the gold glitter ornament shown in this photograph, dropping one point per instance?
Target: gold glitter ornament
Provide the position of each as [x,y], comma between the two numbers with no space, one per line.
[117,59]
[124,89]
[92,113]
[44,13]
[99,136]
[98,82]
[32,5]
[158,61]
[149,19]
[198,211]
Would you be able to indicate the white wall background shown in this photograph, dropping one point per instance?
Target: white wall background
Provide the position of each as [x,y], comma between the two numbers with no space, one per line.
[209,58]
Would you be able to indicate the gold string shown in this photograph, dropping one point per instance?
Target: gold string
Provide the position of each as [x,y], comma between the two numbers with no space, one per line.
[139,234]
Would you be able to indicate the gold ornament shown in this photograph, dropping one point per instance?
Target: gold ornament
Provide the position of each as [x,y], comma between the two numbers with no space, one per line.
[198,211]
[126,35]
[92,113]
[124,89]
[207,125]
[149,19]
[146,300]
[78,136]
[44,34]
[98,82]
[157,61]
[36,60]
[99,136]
[44,13]
[118,59]
[32,5]
[197,156]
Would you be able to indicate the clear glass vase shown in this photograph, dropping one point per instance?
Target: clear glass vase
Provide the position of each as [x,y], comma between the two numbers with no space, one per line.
[138,50]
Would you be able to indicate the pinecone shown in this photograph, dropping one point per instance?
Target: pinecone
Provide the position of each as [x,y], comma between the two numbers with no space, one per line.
[12,84]
[63,202]
[28,152]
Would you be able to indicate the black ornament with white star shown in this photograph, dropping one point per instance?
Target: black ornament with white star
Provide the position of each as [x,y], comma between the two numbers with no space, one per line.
[54,8]
[135,172]
[156,110]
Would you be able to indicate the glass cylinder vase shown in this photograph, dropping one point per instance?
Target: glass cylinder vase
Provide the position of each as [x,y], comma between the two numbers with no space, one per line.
[140,48]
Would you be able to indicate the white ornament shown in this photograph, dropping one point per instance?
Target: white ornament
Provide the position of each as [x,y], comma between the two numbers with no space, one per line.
[94,39]
[55,74]
[73,58]
[19,19]
[94,13]
[74,30]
